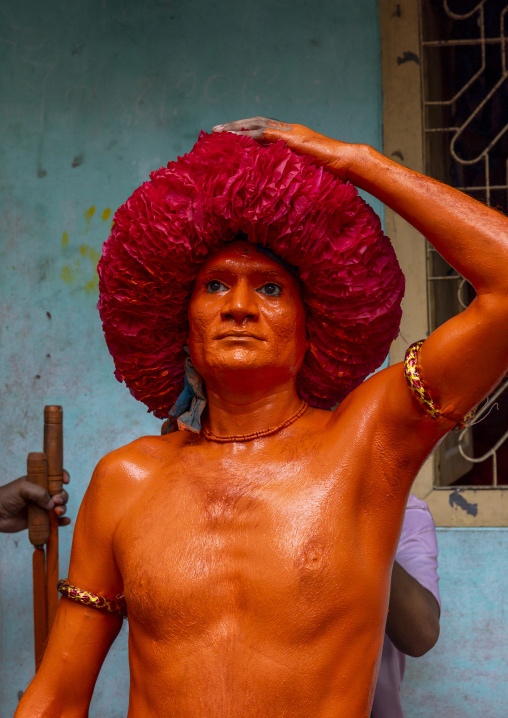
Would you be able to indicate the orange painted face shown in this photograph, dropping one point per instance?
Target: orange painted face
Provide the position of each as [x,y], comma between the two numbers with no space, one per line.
[246,316]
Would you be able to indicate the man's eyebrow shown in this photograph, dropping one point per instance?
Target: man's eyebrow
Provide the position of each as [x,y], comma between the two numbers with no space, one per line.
[224,269]
[214,270]
[269,272]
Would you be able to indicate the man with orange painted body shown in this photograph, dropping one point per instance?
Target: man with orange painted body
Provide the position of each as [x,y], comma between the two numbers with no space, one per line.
[257,572]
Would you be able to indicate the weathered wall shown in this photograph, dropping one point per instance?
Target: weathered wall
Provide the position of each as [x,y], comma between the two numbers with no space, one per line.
[464,676]
[93,95]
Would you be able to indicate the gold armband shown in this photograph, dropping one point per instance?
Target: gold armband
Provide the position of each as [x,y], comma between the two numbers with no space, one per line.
[111,605]
[420,391]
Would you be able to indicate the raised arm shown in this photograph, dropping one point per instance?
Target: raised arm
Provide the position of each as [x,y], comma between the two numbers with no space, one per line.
[81,636]
[464,358]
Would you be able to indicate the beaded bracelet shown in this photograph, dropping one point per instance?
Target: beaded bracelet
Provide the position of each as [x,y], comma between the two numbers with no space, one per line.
[420,391]
[111,605]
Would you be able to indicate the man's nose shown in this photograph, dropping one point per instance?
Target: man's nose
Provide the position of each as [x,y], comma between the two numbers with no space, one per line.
[241,303]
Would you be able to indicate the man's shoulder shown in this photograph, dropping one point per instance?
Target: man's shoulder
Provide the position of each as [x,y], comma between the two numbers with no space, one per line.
[121,477]
[120,457]
[134,462]
[386,396]
[370,397]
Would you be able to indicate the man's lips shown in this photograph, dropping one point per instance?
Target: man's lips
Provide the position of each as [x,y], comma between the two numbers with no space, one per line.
[237,335]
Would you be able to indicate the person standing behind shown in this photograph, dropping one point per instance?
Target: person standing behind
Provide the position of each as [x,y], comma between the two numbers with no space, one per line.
[412,627]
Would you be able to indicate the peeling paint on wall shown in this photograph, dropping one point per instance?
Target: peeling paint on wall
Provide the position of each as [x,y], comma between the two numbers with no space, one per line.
[83,274]
[458,501]
[88,216]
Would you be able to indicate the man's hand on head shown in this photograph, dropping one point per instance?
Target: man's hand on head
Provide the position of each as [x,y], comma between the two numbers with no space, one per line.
[14,498]
[255,127]
[336,156]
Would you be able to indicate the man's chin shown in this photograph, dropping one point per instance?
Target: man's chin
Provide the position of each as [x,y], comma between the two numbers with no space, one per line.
[249,369]
[244,365]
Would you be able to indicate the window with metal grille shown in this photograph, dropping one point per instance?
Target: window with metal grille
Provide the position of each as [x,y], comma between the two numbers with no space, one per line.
[464,62]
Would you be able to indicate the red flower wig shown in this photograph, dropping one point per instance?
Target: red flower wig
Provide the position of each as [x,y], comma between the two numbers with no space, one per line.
[228,184]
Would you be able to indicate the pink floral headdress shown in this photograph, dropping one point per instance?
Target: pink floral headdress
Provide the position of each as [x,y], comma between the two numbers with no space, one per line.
[228,184]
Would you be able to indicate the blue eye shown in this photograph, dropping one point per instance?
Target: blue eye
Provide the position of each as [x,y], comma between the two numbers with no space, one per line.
[215,286]
[270,289]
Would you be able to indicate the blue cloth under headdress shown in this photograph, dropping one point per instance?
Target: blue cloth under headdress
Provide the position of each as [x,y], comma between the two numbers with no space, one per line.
[187,409]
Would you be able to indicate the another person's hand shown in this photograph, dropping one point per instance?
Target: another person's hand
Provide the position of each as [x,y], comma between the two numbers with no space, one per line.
[412,624]
[14,498]
[336,156]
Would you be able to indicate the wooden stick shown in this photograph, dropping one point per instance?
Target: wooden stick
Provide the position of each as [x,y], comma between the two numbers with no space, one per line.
[40,605]
[53,448]
[38,533]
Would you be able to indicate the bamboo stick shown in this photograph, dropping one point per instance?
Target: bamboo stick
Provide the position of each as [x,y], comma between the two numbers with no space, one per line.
[38,533]
[53,448]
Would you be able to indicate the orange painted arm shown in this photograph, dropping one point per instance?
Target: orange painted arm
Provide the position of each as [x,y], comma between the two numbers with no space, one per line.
[463,359]
[78,644]
[81,636]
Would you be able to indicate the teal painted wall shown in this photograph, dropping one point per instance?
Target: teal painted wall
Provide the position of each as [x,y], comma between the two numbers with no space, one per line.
[465,675]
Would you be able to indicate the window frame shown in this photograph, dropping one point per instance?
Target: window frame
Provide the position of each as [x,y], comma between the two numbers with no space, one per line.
[403,142]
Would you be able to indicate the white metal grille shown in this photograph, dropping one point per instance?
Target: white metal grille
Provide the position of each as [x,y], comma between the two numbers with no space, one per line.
[464,59]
